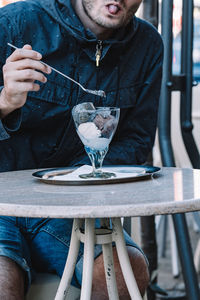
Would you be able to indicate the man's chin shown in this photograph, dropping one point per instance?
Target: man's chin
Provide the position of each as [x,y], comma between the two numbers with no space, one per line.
[104,23]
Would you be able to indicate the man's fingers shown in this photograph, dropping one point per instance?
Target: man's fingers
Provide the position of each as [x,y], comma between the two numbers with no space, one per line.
[21,87]
[22,72]
[27,47]
[26,58]
[30,64]
[24,75]
[24,53]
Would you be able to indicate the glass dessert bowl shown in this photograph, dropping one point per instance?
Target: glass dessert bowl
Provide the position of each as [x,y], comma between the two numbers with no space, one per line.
[96,126]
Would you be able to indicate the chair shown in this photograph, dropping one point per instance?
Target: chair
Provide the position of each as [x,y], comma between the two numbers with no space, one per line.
[45,286]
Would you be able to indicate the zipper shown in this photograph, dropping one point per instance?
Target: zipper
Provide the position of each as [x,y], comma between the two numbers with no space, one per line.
[99,47]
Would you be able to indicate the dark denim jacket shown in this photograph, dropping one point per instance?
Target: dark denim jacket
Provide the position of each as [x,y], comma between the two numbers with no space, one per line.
[42,133]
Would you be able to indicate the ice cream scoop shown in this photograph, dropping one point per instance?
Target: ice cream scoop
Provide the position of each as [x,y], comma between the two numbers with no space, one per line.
[89,130]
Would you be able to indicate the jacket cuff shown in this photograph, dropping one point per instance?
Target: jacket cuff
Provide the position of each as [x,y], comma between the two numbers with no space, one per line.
[12,121]
[3,133]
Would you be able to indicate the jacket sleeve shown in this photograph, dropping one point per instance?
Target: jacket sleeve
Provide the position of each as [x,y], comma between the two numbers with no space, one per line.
[134,138]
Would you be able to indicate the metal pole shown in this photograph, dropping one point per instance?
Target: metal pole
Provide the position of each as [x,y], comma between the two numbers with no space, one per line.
[186,94]
[164,118]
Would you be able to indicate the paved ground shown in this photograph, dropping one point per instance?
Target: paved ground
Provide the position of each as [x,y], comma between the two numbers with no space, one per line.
[166,280]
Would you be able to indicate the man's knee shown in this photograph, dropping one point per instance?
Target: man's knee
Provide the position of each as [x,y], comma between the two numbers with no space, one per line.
[11,280]
[140,269]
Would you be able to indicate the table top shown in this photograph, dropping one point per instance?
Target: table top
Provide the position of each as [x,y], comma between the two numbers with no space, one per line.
[172,190]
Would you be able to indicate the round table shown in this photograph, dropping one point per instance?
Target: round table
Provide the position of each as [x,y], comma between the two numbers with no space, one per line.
[169,191]
[172,190]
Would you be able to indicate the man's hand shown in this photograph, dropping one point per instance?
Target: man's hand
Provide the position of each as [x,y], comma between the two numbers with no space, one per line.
[21,70]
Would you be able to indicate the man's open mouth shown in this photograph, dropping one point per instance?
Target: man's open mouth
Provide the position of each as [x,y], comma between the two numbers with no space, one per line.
[113,8]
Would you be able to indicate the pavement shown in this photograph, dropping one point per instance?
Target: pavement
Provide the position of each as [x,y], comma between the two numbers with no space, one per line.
[169,278]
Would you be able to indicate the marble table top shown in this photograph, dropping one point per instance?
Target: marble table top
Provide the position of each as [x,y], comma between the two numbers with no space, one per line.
[171,190]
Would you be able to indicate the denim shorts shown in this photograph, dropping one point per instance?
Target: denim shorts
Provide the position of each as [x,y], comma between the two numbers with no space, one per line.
[42,245]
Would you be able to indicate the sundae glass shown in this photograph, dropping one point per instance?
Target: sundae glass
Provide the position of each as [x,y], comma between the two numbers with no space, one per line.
[96,127]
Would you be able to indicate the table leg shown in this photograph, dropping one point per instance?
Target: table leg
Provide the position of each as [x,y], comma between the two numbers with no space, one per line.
[109,271]
[70,263]
[124,260]
[104,237]
[186,257]
[88,260]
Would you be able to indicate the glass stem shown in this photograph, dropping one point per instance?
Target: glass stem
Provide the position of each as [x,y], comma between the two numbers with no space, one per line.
[96,158]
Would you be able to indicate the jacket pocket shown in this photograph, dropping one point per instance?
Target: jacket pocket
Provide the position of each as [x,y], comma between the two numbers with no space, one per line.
[123,97]
[56,90]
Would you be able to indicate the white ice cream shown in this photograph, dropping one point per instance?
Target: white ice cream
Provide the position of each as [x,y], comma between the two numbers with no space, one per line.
[91,136]
[89,130]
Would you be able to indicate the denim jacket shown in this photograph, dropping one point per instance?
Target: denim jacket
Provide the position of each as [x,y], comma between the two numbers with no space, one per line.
[42,132]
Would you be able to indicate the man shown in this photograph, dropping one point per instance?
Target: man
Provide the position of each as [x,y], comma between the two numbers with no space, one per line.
[101,44]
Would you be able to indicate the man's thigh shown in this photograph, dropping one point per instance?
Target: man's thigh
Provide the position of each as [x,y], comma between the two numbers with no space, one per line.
[14,246]
[50,246]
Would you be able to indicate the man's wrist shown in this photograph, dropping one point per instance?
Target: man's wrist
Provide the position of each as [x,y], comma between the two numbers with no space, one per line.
[5,109]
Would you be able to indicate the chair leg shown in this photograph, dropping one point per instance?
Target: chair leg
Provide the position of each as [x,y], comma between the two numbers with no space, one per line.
[136,230]
[145,297]
[197,257]
[174,250]
[109,271]
[127,271]
[70,263]
[88,260]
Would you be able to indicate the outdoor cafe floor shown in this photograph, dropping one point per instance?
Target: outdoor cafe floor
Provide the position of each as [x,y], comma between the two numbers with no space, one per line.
[174,285]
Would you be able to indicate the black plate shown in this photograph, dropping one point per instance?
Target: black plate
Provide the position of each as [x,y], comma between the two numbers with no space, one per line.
[47,175]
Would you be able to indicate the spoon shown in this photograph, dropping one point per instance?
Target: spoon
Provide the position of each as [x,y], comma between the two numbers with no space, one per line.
[95,92]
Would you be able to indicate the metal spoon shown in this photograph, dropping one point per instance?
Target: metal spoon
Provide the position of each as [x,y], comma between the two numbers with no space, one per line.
[95,92]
